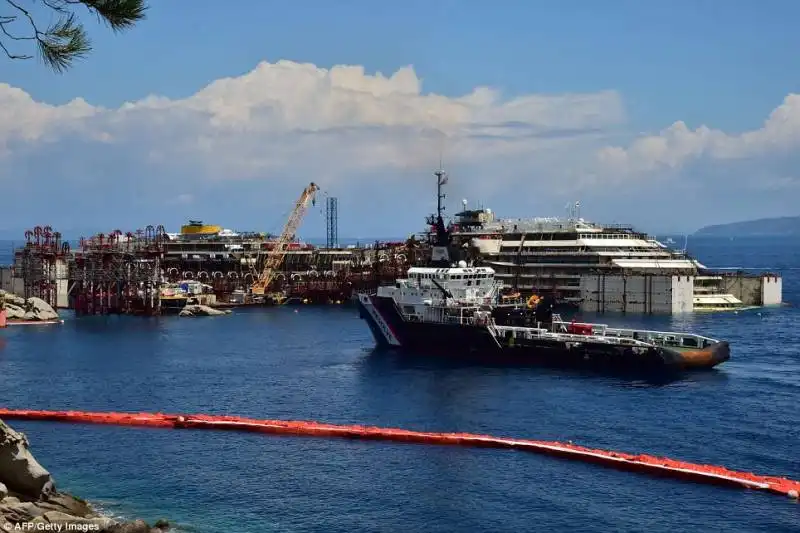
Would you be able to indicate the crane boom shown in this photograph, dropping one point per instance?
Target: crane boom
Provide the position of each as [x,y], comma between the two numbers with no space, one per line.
[278,252]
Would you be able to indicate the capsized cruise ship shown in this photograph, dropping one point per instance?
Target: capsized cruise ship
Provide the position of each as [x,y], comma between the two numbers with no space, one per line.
[230,261]
[205,252]
[604,268]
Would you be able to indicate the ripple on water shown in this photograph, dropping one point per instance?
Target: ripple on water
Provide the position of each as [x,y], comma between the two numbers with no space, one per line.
[318,364]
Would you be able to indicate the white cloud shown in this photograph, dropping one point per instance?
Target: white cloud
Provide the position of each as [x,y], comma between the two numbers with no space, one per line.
[678,145]
[282,113]
[291,123]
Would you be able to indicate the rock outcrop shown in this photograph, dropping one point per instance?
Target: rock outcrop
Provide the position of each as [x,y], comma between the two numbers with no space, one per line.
[202,310]
[19,470]
[29,500]
[18,308]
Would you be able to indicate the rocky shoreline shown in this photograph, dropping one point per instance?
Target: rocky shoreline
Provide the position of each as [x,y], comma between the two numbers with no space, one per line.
[29,500]
[202,310]
[31,309]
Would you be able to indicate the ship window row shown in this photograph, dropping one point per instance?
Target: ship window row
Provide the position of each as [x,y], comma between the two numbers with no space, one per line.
[567,235]
[605,236]
[577,250]
[449,277]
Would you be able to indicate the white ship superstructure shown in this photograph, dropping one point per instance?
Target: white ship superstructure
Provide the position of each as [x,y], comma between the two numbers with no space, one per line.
[603,268]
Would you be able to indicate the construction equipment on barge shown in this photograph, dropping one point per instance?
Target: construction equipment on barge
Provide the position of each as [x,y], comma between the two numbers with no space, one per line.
[151,271]
[640,463]
[277,253]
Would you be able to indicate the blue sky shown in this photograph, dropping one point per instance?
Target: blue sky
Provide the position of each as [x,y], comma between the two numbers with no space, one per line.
[596,89]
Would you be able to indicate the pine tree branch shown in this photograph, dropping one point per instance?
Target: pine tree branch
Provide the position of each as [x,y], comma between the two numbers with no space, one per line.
[66,40]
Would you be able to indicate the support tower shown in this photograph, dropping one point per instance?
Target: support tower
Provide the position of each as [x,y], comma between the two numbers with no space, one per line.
[332,222]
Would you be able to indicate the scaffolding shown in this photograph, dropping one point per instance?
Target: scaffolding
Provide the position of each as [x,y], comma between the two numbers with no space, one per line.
[118,273]
[40,264]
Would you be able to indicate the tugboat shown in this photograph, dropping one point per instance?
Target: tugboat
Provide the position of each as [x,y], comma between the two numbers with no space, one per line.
[459,310]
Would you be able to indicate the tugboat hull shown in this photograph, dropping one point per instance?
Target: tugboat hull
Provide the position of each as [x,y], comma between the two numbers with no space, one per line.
[477,344]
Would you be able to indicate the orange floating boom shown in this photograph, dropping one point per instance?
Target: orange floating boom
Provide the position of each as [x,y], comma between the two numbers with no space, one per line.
[624,461]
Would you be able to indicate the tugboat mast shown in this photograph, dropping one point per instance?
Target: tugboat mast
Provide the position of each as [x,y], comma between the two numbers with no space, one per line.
[441,179]
[441,238]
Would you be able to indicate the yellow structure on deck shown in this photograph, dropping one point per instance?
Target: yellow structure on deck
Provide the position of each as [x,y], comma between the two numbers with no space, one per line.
[278,252]
[196,227]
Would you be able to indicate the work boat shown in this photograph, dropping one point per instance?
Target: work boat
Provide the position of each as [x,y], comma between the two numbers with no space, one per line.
[460,312]
[451,307]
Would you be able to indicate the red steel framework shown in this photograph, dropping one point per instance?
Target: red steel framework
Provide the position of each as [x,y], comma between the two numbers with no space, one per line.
[122,273]
[41,263]
[313,275]
[117,273]
[389,262]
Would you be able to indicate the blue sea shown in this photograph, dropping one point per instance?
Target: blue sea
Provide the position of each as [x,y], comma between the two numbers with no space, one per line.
[319,363]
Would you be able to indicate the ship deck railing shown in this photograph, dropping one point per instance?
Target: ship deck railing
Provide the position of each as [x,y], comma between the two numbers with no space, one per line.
[560,329]
[599,333]
[663,338]
[531,333]
[677,340]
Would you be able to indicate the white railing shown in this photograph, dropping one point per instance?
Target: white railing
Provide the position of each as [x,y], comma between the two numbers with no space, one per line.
[560,330]
[522,332]
[645,335]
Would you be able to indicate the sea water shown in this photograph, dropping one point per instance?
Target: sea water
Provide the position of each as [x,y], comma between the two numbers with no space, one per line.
[318,363]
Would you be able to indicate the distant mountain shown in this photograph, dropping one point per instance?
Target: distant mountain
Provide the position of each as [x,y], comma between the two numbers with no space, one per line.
[782,226]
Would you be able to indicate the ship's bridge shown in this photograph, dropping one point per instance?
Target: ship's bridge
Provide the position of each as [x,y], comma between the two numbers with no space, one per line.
[454,276]
[434,286]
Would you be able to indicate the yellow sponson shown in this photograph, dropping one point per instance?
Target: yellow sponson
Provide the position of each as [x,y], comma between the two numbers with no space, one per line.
[200,229]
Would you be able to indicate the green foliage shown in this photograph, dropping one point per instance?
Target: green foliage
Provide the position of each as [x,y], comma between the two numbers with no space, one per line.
[65,40]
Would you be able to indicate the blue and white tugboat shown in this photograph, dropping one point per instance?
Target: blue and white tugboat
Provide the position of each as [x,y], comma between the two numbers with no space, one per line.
[451,308]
